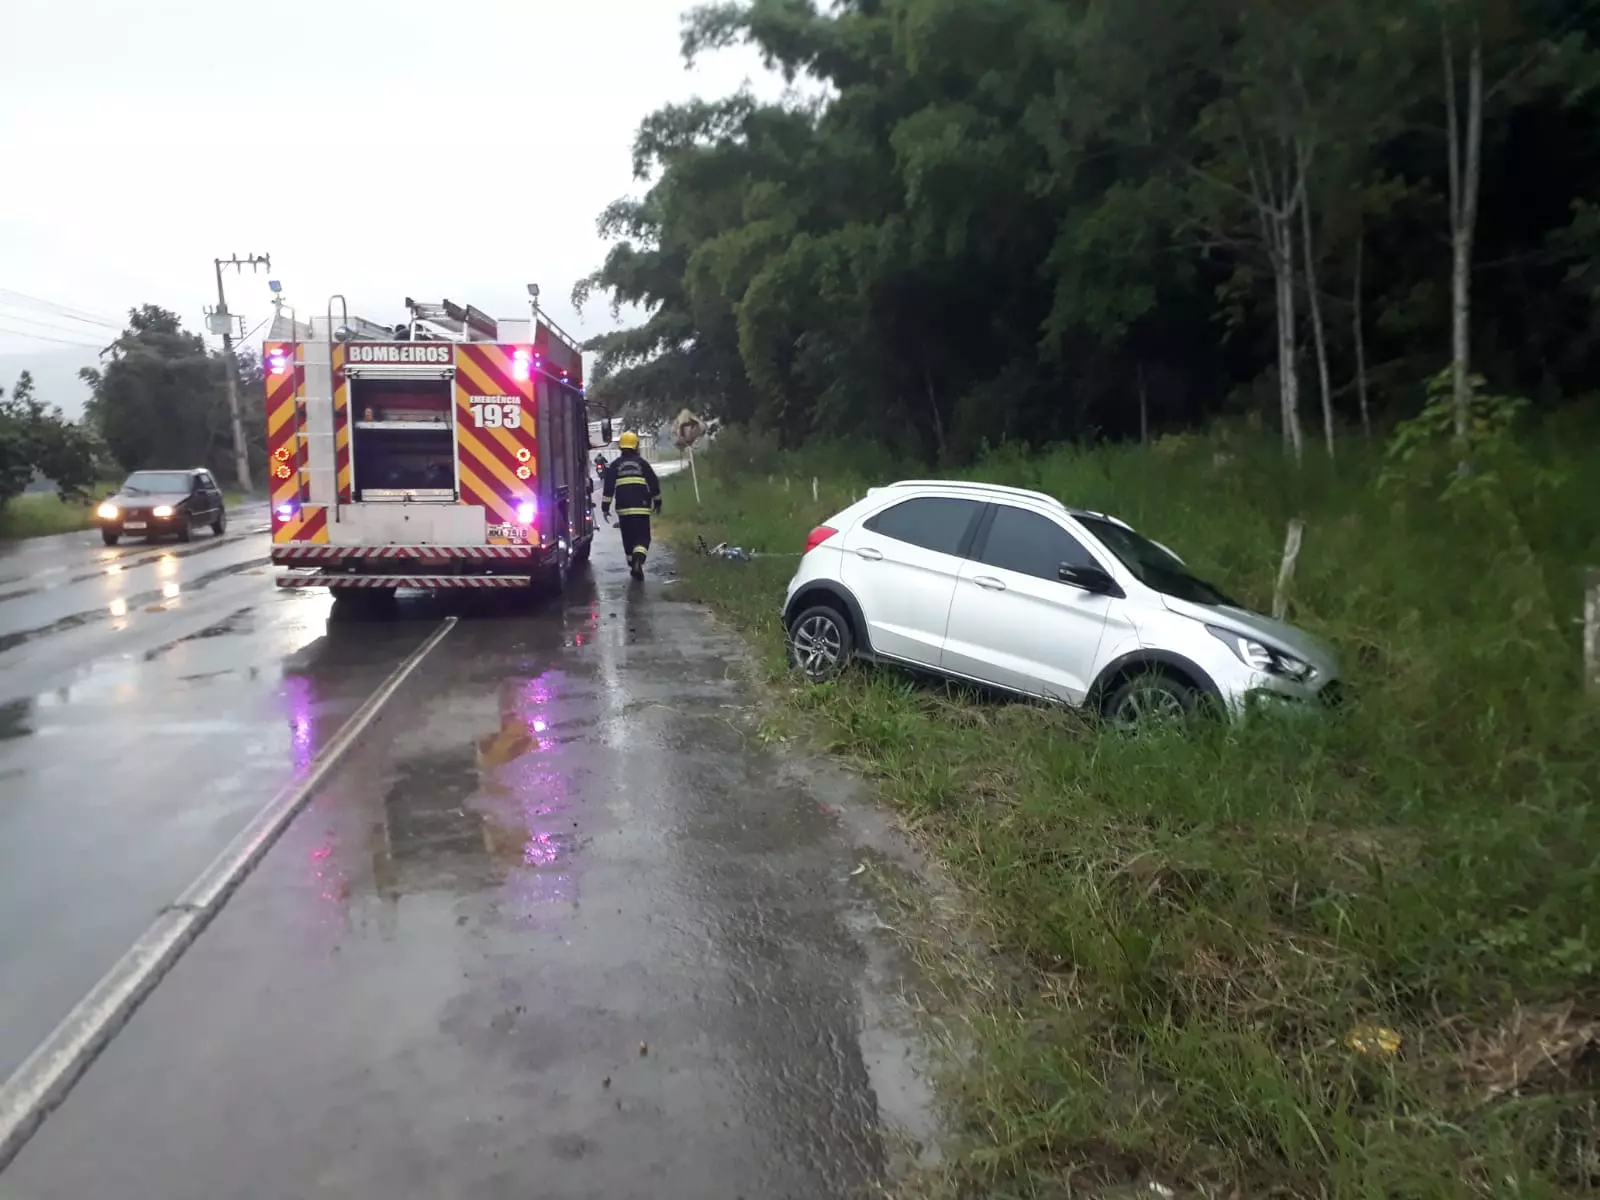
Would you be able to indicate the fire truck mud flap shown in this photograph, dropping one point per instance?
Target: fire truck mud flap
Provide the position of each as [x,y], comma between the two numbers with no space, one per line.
[394,582]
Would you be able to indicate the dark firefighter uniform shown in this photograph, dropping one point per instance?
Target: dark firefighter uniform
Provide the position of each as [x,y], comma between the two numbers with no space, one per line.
[631,484]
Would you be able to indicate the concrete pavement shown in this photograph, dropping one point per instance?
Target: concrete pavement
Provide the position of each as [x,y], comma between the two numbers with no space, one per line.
[556,926]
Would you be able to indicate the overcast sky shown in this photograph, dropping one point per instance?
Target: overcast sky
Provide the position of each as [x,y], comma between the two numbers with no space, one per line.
[448,149]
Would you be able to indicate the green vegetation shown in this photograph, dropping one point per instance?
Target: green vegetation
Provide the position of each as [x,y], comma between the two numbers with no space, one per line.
[39,513]
[161,400]
[1206,917]
[34,439]
[980,221]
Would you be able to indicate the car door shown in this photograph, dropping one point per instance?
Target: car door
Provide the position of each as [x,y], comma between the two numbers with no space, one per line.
[199,498]
[213,493]
[1013,623]
[901,563]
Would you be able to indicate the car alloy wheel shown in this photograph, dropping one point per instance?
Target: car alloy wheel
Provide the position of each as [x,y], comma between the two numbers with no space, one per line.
[1150,700]
[819,644]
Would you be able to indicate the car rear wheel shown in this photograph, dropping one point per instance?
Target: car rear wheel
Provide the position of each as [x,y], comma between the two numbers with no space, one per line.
[820,643]
[220,525]
[1150,699]
[110,537]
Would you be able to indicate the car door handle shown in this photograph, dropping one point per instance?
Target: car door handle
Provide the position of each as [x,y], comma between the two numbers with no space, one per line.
[989,583]
[868,553]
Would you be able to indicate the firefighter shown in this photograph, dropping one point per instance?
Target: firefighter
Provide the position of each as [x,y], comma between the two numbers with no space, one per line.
[632,484]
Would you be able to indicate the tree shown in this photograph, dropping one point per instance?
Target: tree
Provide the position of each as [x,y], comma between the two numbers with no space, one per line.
[160,401]
[1033,220]
[36,440]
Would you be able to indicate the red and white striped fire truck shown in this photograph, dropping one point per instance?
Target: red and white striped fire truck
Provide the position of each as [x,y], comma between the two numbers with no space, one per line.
[449,451]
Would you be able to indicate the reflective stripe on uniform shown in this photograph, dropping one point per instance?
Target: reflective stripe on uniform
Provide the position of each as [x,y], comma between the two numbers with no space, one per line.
[634,512]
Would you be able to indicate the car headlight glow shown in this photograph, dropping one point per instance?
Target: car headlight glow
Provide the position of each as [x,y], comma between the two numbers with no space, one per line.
[1261,657]
[161,510]
[107,511]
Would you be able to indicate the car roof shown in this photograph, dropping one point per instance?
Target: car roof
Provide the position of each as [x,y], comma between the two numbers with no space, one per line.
[997,491]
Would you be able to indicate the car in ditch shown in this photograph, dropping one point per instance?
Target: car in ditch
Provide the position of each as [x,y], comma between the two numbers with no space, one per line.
[1013,590]
[164,503]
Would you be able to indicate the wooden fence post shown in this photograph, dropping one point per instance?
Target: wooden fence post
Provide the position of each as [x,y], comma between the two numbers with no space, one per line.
[1291,555]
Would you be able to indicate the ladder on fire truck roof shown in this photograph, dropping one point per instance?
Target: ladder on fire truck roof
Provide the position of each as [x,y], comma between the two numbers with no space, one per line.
[451,322]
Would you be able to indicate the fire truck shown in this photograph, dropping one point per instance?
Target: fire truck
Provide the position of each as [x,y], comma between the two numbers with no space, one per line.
[449,451]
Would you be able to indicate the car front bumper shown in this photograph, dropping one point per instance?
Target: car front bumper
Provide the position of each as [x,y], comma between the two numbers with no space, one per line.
[146,523]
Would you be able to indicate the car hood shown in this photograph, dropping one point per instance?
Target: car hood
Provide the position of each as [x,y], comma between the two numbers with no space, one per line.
[123,500]
[1279,634]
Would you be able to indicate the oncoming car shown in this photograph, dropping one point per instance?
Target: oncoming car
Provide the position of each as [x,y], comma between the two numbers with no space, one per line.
[1011,589]
[151,504]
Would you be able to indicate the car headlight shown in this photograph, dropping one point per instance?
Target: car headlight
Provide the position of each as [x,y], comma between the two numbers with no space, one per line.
[1261,657]
[106,512]
[161,510]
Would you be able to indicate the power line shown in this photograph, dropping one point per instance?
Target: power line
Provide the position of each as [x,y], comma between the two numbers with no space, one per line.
[76,314]
[9,316]
[41,337]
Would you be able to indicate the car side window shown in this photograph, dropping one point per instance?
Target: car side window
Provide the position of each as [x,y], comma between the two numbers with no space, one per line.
[207,482]
[937,523]
[1031,544]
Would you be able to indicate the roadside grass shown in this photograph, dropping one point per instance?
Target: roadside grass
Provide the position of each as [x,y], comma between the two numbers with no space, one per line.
[1207,918]
[39,514]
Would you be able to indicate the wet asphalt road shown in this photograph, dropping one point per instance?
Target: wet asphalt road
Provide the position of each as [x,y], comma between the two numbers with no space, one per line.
[557,926]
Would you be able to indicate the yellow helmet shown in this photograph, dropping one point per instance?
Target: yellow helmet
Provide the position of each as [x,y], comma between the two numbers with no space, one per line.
[629,440]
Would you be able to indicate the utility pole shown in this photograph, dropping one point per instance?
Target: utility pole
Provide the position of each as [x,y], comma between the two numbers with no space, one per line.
[221,322]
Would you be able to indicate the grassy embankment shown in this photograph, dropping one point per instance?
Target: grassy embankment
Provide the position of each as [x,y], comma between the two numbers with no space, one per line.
[38,514]
[1205,918]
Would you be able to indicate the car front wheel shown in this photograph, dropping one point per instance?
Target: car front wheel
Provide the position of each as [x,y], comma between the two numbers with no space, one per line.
[110,536]
[1151,699]
[820,643]
[186,528]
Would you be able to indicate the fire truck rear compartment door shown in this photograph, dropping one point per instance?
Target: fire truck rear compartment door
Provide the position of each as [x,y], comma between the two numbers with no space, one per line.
[411,525]
[404,433]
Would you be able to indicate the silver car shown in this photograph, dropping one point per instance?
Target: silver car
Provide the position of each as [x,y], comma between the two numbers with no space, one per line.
[1011,589]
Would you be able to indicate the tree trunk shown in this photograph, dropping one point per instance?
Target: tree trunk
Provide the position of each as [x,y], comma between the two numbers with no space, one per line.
[1360,339]
[1288,372]
[1144,409]
[1318,335]
[933,407]
[1463,160]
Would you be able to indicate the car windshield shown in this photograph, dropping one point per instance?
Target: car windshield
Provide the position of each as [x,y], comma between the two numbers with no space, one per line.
[1154,567]
[147,483]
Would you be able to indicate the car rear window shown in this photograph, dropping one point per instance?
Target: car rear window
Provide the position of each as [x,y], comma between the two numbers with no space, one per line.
[938,523]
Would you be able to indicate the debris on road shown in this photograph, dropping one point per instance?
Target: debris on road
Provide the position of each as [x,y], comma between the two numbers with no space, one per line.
[733,553]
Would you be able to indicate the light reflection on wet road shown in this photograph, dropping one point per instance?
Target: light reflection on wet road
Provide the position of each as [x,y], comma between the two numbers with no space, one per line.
[554,927]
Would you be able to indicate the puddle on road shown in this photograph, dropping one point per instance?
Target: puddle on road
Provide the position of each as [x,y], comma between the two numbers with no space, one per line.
[163,599]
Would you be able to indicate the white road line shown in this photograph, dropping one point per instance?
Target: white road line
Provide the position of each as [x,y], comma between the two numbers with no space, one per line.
[41,1083]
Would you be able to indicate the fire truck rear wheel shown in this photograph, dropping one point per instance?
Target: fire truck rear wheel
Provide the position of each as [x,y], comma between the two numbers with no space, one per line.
[545,583]
[362,601]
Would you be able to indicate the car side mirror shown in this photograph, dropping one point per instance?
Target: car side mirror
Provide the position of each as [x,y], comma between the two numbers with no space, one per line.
[1093,580]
